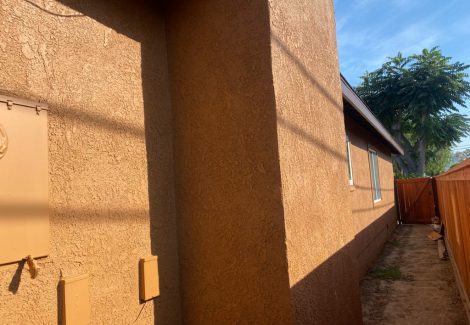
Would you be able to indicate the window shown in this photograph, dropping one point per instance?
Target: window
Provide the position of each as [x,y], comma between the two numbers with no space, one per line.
[348,154]
[374,175]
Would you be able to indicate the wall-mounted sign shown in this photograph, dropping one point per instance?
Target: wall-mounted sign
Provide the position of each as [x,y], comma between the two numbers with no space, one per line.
[24,216]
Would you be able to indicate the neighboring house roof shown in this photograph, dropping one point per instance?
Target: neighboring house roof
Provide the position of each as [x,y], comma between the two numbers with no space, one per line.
[364,113]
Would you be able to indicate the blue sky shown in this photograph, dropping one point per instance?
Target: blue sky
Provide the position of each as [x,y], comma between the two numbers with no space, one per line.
[369,31]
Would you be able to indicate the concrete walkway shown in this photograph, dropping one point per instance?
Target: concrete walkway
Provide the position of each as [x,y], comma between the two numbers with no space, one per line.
[409,284]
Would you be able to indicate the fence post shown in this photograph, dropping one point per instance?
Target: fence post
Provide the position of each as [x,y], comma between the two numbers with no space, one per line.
[436,199]
[397,205]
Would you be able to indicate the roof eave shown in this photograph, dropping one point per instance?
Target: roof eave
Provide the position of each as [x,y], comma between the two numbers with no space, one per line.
[356,102]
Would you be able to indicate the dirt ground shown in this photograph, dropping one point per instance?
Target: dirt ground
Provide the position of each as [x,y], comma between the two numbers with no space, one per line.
[409,284]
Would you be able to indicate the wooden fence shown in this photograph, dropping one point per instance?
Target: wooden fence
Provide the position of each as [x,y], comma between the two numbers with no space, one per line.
[453,192]
[415,200]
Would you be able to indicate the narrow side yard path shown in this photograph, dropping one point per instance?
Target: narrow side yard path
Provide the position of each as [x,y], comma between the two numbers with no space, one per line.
[409,284]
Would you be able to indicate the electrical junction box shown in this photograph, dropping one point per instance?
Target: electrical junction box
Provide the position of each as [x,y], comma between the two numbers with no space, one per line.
[24,216]
[148,274]
[75,300]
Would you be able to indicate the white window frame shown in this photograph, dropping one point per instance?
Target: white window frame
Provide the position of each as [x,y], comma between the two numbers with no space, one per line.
[375,175]
[348,155]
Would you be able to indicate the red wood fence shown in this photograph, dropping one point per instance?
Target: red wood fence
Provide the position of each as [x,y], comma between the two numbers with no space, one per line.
[453,191]
[415,200]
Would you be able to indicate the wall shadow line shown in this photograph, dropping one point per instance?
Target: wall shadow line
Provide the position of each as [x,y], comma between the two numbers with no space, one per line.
[306,73]
[53,13]
[315,306]
[305,136]
[96,120]
[144,22]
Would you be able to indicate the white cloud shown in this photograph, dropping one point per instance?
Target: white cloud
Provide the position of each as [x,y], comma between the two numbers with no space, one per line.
[360,4]
[364,44]
[341,22]
[411,39]
[376,45]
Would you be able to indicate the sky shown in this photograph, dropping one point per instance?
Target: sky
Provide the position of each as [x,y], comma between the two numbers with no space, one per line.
[369,31]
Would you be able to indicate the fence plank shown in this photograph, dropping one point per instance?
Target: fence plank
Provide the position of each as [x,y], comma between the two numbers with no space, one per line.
[462,222]
[415,200]
[453,197]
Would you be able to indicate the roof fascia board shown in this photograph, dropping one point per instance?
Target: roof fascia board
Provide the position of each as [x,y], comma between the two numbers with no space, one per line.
[356,102]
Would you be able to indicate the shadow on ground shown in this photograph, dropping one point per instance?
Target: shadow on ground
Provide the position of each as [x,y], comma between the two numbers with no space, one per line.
[409,284]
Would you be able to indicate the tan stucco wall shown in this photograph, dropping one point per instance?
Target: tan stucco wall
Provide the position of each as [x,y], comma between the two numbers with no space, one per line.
[230,216]
[251,219]
[317,211]
[108,120]
[372,222]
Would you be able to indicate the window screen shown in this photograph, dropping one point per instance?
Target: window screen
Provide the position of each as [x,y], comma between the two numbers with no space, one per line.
[374,172]
[348,153]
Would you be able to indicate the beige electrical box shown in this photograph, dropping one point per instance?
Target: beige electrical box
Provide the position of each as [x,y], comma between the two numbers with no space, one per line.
[24,219]
[149,282]
[75,300]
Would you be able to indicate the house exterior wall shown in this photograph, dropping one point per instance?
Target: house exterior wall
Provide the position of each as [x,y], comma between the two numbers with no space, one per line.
[210,134]
[311,135]
[230,216]
[372,222]
[102,169]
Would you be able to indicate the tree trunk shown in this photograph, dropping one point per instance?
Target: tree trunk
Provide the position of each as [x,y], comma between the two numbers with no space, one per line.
[421,170]
[405,163]
[422,148]
[400,164]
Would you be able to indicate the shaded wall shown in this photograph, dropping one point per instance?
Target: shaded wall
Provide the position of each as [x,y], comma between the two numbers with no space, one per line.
[230,216]
[102,69]
[311,135]
[372,222]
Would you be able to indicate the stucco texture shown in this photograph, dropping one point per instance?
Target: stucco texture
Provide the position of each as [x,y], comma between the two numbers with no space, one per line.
[311,137]
[210,133]
[101,67]
[372,222]
[230,218]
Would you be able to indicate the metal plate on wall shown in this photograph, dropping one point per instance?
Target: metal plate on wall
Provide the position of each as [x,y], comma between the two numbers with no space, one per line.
[75,298]
[24,216]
